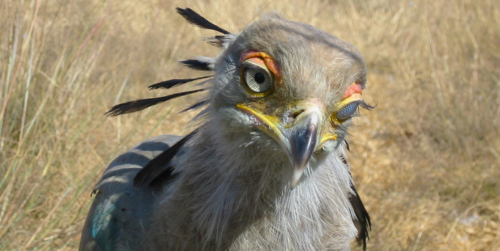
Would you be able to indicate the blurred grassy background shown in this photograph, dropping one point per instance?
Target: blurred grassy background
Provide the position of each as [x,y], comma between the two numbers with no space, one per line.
[426,160]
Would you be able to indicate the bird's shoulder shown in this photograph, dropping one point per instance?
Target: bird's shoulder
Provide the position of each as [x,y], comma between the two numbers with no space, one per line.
[119,209]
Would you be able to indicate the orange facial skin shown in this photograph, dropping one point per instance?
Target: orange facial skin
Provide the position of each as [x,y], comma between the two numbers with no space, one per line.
[263,59]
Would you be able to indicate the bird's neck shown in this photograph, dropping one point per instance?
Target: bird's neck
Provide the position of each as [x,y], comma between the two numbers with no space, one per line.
[225,192]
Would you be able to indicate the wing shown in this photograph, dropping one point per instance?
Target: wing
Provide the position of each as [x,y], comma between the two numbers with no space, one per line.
[362,221]
[120,211]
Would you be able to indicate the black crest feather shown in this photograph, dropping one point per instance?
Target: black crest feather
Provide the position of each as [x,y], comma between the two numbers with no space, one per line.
[141,104]
[174,82]
[197,64]
[160,164]
[196,19]
[217,41]
[195,106]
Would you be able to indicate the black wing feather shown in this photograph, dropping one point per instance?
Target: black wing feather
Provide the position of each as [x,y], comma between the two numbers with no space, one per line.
[159,166]
[174,82]
[196,19]
[141,104]
[346,146]
[362,221]
[163,178]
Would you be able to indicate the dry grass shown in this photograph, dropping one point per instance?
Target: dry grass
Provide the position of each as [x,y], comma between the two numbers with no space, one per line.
[426,160]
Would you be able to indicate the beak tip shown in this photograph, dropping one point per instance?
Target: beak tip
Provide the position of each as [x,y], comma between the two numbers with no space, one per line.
[297,174]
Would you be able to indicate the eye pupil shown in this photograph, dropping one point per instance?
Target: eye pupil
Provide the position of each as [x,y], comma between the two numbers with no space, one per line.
[256,78]
[259,78]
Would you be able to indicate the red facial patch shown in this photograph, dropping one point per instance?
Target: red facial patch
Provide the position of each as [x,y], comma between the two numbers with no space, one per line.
[354,88]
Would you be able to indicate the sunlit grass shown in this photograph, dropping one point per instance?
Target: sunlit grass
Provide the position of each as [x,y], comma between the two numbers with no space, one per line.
[426,160]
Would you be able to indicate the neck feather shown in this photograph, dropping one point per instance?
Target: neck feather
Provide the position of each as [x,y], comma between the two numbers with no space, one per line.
[232,192]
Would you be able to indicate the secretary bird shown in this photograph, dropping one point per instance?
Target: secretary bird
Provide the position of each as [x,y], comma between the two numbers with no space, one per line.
[265,167]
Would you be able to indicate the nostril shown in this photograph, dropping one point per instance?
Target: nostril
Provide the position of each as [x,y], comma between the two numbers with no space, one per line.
[295,114]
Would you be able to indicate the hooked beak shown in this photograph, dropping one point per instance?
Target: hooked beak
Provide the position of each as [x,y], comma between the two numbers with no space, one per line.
[299,136]
[302,137]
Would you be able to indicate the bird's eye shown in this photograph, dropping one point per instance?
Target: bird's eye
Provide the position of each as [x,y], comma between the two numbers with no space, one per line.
[347,111]
[257,79]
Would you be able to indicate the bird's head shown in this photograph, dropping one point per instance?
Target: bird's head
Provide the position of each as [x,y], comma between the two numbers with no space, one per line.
[284,87]
[290,83]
